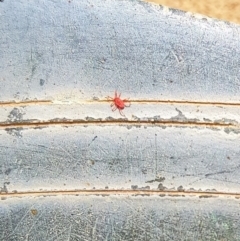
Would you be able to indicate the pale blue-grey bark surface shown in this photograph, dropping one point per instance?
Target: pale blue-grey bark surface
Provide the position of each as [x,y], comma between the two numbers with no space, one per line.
[71,169]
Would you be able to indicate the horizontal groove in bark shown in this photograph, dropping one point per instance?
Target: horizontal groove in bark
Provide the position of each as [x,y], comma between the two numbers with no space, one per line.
[181,102]
[169,193]
[139,101]
[62,122]
[26,103]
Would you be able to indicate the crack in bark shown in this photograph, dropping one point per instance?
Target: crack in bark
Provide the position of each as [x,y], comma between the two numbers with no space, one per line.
[107,192]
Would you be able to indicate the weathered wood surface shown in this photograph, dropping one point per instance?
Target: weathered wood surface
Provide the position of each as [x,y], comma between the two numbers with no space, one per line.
[176,144]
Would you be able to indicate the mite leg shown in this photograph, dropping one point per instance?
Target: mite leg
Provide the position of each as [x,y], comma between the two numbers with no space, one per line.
[114,108]
[121,113]
[128,104]
[116,94]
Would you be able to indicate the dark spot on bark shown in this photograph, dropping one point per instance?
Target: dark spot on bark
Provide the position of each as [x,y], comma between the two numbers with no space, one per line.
[191,189]
[144,188]
[134,187]
[34,212]
[105,195]
[15,115]
[180,189]
[161,187]
[205,196]
[8,171]
[158,179]
[4,188]
[42,82]
[14,131]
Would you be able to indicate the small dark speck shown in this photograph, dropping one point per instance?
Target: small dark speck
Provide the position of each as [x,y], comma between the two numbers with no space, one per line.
[34,212]
[134,187]
[205,196]
[42,81]
[8,171]
[191,189]
[180,189]
[161,187]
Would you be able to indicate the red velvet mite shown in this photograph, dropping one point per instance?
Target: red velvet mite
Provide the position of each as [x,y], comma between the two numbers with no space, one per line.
[118,103]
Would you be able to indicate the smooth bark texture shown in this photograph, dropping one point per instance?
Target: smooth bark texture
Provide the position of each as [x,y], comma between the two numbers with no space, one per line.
[71,169]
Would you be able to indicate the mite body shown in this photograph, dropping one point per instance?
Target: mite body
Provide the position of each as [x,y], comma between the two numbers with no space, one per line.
[119,103]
